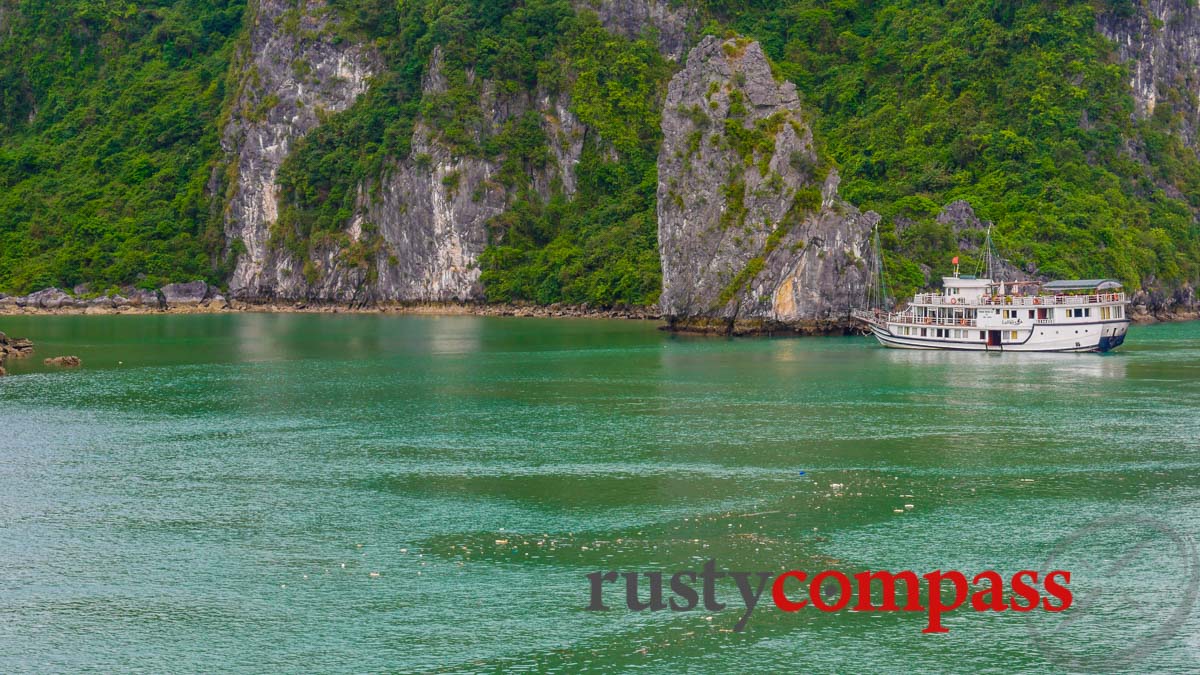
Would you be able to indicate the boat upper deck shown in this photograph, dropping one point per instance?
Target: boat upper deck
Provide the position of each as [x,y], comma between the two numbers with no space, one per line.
[937,299]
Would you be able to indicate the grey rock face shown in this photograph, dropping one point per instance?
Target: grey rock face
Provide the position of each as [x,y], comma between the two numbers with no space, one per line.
[1161,41]
[418,230]
[294,70]
[674,23]
[192,293]
[970,232]
[1157,304]
[432,209]
[962,221]
[433,214]
[49,298]
[751,228]
[150,299]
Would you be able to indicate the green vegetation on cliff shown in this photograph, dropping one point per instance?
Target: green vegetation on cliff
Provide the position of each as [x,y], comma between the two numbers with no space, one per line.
[110,115]
[1019,108]
[108,135]
[597,247]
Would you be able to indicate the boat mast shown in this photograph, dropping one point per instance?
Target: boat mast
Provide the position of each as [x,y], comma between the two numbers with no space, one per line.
[877,294]
[991,267]
[988,264]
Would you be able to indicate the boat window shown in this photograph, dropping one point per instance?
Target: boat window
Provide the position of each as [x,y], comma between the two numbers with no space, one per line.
[982,335]
[1014,335]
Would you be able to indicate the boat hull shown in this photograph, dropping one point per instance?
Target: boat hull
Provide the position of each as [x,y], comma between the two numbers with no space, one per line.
[1085,337]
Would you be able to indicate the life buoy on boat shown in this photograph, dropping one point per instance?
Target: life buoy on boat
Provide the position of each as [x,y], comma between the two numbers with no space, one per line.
[954,301]
[1037,301]
[928,321]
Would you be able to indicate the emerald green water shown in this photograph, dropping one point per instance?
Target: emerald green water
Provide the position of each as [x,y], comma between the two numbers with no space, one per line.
[214,492]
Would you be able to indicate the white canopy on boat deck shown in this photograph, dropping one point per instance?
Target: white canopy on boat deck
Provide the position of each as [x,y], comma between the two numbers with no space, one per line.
[1082,285]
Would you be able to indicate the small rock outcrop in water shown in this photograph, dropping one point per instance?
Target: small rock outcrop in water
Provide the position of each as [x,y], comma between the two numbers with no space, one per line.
[17,348]
[753,236]
[64,361]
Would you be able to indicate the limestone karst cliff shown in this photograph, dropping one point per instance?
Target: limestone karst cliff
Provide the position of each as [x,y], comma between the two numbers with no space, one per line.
[360,151]
[432,208]
[1160,40]
[752,232]
[292,71]
[418,228]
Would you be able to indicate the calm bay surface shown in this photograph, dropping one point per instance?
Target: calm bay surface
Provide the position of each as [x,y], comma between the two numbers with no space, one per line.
[259,492]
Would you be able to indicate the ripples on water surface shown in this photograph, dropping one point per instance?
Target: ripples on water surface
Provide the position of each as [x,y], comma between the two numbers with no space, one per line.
[220,497]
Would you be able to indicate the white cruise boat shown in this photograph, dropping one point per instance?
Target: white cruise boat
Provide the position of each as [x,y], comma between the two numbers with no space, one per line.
[984,315]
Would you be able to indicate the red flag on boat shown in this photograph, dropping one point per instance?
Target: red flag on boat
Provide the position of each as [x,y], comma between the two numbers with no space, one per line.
[955,261]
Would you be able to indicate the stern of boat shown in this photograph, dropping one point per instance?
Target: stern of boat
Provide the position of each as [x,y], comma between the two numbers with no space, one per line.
[1111,342]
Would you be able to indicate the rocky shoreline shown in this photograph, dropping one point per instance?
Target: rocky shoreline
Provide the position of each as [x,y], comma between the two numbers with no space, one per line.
[199,297]
[761,327]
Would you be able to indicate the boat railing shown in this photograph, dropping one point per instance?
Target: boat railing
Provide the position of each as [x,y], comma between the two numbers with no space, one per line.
[1020,300]
[910,319]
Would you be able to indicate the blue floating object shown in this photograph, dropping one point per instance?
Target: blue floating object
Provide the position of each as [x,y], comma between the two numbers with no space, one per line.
[802,473]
